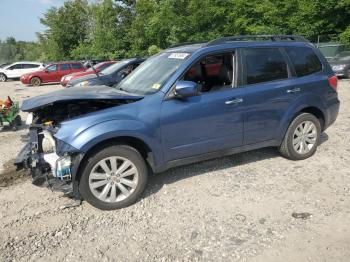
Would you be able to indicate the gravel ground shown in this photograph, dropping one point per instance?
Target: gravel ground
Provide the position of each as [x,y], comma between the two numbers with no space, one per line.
[237,208]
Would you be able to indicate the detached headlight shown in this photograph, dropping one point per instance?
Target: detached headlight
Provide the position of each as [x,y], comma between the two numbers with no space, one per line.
[338,67]
[29,120]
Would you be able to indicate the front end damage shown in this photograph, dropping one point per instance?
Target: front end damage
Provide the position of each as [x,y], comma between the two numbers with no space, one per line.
[48,167]
[54,163]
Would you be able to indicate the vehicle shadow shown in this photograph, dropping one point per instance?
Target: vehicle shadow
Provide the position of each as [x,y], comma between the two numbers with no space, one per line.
[157,181]
[8,129]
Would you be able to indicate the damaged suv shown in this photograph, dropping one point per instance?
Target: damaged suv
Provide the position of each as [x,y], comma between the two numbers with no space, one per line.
[189,103]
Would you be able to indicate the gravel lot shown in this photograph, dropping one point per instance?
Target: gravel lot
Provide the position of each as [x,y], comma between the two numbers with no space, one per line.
[237,208]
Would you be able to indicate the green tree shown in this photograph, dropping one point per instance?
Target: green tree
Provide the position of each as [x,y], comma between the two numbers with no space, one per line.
[67,27]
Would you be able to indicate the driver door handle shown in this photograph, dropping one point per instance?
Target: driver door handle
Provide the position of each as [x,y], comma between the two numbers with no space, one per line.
[234,101]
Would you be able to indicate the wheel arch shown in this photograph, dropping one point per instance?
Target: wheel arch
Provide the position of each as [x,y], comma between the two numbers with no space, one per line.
[30,79]
[293,112]
[316,112]
[142,147]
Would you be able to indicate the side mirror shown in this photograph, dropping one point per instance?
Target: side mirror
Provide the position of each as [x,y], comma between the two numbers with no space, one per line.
[186,89]
[46,71]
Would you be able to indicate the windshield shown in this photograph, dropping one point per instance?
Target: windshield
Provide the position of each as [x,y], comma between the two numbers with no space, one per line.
[113,68]
[150,76]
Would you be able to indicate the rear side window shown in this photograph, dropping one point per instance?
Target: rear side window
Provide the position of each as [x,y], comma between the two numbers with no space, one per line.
[64,67]
[77,66]
[304,60]
[29,66]
[264,65]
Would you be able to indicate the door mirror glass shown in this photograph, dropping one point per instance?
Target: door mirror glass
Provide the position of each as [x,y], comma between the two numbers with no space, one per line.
[186,89]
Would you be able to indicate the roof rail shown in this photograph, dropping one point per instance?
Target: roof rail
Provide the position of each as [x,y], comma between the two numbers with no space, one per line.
[223,40]
[187,43]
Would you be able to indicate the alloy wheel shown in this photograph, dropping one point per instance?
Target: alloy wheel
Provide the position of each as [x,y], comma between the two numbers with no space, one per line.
[113,179]
[304,137]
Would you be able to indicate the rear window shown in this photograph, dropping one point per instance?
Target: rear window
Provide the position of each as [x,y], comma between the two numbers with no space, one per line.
[304,60]
[77,66]
[264,65]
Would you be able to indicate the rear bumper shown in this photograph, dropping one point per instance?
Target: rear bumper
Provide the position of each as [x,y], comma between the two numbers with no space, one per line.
[333,111]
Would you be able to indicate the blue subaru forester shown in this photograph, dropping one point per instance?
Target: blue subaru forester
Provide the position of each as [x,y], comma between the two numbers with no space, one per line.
[186,104]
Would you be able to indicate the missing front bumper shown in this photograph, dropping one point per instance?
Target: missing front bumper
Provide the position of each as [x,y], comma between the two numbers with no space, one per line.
[46,169]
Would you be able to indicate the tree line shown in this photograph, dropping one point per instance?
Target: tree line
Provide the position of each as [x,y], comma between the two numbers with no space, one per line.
[113,29]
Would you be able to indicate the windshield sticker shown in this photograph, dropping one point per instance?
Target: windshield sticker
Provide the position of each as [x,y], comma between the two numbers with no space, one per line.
[178,55]
[156,86]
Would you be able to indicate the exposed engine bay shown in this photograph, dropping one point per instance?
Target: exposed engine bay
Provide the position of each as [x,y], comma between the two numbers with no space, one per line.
[64,110]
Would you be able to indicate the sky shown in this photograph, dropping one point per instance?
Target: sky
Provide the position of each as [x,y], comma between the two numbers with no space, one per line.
[20,18]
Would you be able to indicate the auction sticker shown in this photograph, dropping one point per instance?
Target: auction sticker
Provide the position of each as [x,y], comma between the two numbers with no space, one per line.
[156,86]
[178,55]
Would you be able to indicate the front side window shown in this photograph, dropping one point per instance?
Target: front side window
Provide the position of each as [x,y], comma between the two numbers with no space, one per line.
[17,66]
[51,68]
[304,60]
[212,73]
[151,75]
[264,65]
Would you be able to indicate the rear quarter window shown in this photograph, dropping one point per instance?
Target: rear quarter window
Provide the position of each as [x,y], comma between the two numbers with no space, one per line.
[77,66]
[304,60]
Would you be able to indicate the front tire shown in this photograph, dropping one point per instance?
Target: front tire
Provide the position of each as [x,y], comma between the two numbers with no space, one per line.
[35,81]
[114,177]
[3,78]
[302,137]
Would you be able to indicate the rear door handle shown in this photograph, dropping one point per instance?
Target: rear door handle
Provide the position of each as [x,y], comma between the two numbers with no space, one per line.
[234,101]
[294,90]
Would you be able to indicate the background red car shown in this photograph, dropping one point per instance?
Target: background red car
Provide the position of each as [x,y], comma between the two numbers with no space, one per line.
[98,67]
[52,73]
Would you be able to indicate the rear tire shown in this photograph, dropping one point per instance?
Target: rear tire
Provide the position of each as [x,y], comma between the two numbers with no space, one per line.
[114,177]
[302,137]
[35,81]
[3,78]
[17,122]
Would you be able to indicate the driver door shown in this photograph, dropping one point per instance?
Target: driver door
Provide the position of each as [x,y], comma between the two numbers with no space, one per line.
[210,121]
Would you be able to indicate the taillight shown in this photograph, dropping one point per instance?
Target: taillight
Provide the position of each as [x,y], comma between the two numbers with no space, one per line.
[333,82]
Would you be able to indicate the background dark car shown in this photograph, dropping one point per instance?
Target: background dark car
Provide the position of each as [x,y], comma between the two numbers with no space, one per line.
[330,50]
[341,64]
[110,76]
[92,62]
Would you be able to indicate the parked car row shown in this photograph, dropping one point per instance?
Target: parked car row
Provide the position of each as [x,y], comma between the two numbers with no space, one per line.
[70,73]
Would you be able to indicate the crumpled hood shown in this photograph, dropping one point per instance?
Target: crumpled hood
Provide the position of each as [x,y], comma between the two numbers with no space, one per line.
[77,93]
